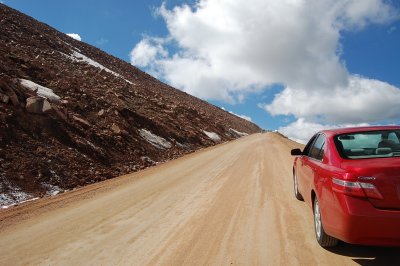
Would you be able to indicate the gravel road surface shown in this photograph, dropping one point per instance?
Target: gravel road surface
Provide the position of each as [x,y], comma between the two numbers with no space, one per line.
[227,205]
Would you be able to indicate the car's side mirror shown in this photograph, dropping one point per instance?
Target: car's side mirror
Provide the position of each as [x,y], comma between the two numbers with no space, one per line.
[296,152]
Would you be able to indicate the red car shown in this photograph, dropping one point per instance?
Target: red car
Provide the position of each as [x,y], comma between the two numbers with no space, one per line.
[351,179]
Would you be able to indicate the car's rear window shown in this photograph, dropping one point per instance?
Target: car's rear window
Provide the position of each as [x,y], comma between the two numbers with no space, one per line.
[371,144]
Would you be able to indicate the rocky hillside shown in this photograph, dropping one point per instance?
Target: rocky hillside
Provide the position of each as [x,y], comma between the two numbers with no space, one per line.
[71,114]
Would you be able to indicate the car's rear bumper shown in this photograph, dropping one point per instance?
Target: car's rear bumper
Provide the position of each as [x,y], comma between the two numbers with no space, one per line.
[358,222]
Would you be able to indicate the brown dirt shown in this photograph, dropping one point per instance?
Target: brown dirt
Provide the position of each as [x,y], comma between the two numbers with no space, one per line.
[93,132]
[230,204]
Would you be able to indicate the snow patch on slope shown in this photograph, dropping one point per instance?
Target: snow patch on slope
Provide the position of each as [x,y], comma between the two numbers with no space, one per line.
[240,134]
[212,135]
[14,196]
[70,45]
[40,90]
[155,140]
[51,189]
[78,57]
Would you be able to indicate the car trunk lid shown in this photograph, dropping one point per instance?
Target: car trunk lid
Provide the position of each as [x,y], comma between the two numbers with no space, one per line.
[384,174]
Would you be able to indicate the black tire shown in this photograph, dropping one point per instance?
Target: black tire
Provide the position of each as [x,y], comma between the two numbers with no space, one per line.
[296,188]
[324,240]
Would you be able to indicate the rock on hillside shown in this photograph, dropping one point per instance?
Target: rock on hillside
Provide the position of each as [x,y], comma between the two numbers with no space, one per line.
[70,114]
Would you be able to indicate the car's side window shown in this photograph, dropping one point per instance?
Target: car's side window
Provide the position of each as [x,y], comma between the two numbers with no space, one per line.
[393,137]
[318,148]
[307,149]
[321,153]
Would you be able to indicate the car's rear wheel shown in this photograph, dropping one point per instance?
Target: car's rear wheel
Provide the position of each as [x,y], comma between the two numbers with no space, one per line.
[296,187]
[323,238]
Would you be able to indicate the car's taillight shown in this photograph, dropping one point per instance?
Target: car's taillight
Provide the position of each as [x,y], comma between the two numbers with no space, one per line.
[357,189]
[371,191]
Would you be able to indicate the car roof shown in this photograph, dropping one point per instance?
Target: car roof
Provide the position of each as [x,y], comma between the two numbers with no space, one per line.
[337,131]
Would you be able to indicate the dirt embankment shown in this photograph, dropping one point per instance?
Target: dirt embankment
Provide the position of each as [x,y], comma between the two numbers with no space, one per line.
[72,115]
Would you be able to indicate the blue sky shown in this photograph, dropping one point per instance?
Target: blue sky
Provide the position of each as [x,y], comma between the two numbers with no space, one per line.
[114,26]
[287,65]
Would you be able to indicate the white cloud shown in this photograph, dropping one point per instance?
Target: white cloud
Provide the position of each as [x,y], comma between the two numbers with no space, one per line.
[102,41]
[301,130]
[147,52]
[248,118]
[226,49]
[75,36]
[362,100]
[359,13]
[245,117]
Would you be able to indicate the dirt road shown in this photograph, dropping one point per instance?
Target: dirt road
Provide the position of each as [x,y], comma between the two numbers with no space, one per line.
[231,204]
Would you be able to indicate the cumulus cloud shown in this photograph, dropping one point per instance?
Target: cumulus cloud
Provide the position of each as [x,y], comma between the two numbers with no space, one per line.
[147,52]
[360,13]
[225,49]
[362,100]
[75,36]
[302,130]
